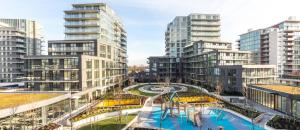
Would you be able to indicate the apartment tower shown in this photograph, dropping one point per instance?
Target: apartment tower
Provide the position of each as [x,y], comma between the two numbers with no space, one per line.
[185,30]
[277,45]
[18,38]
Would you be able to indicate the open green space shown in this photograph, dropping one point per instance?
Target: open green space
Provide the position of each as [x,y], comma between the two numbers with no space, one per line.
[136,91]
[110,124]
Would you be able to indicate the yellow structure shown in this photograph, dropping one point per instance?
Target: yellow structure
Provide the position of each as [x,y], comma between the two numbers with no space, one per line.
[195,99]
[117,102]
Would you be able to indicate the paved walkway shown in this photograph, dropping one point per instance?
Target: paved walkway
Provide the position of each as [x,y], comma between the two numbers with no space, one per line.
[262,108]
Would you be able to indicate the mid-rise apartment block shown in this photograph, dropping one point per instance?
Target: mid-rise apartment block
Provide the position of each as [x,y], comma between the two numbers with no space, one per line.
[18,38]
[92,57]
[164,68]
[212,64]
[277,45]
[215,63]
[185,30]
[196,55]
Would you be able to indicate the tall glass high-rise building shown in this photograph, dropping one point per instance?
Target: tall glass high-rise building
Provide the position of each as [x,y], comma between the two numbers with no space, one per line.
[185,30]
[98,21]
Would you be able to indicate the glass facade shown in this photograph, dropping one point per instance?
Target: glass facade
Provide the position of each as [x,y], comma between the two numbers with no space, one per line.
[53,74]
[35,118]
[277,101]
[251,42]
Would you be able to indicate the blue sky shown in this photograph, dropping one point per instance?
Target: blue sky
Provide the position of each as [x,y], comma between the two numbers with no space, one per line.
[146,20]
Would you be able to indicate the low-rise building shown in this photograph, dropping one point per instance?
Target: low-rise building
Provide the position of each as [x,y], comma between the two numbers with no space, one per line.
[282,98]
[233,77]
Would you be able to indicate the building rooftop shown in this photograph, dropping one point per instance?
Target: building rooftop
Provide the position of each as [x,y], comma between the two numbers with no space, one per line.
[281,88]
[9,100]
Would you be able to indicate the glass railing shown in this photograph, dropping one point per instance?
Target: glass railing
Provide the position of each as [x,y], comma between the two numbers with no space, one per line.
[82,16]
[38,67]
[81,23]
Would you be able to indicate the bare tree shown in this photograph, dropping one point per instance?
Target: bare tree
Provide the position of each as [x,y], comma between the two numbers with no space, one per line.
[179,80]
[13,112]
[219,89]
[157,78]
[245,93]
[167,82]
[131,81]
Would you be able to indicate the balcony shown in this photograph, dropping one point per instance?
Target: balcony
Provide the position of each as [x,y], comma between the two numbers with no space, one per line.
[82,31]
[288,39]
[69,49]
[54,67]
[82,24]
[82,17]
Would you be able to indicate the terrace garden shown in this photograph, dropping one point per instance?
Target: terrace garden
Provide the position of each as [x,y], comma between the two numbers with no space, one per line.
[9,100]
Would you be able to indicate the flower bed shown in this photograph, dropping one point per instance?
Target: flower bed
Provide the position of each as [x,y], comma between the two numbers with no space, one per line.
[51,126]
[100,110]
[279,122]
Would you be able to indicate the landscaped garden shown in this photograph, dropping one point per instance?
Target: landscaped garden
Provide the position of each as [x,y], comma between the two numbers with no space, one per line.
[136,91]
[100,110]
[279,122]
[115,123]
[112,103]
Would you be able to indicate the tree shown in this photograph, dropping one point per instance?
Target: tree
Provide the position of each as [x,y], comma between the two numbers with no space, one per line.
[179,80]
[157,78]
[13,112]
[219,89]
[167,82]
[245,93]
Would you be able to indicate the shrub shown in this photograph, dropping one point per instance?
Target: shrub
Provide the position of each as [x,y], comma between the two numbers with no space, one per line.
[279,122]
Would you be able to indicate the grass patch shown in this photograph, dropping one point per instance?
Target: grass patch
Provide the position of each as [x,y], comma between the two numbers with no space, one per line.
[110,124]
[9,100]
[136,91]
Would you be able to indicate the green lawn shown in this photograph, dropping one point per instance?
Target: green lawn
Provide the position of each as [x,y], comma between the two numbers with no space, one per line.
[136,91]
[109,124]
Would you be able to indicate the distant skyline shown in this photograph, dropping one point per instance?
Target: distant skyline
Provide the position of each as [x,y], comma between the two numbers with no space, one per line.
[146,20]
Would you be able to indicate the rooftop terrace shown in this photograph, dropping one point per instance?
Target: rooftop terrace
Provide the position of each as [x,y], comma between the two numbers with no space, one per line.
[16,99]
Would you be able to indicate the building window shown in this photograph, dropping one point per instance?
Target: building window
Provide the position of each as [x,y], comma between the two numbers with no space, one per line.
[89,64]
